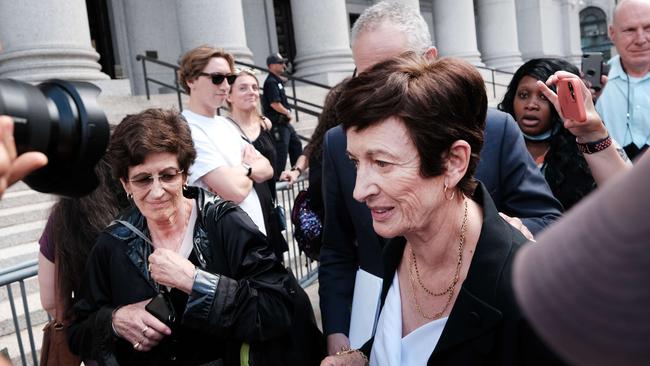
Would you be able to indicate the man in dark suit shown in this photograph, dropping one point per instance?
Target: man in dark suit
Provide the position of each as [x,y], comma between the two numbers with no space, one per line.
[349,241]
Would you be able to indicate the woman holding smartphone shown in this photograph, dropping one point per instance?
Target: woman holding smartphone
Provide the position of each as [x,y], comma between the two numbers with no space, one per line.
[574,156]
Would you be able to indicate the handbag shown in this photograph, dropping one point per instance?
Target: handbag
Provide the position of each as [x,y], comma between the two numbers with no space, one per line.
[308,225]
[55,350]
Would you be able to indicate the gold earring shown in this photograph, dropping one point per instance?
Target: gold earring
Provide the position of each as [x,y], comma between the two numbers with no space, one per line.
[453,193]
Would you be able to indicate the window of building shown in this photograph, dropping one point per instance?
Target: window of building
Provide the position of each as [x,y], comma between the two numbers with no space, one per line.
[593,31]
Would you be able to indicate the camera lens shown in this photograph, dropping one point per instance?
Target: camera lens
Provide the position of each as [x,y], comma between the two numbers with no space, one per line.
[62,120]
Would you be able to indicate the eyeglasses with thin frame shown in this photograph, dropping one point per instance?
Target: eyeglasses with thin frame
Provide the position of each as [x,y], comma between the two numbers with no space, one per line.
[218,78]
[166,178]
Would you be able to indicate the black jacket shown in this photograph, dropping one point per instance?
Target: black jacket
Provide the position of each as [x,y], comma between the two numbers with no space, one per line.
[485,326]
[242,294]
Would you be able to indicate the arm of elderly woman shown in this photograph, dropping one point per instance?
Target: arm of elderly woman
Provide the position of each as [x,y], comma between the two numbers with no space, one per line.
[250,301]
[603,164]
[99,322]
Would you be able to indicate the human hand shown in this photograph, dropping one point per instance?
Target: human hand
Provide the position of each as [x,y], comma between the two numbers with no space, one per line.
[289,176]
[249,155]
[592,129]
[595,94]
[337,342]
[349,358]
[134,324]
[168,268]
[519,225]
[14,168]
[289,117]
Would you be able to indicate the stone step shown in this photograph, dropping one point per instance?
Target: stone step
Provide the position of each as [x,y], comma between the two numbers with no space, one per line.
[21,233]
[31,286]
[16,254]
[19,197]
[36,312]
[11,342]
[25,213]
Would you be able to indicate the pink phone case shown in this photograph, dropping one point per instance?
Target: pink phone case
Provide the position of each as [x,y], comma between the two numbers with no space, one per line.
[569,93]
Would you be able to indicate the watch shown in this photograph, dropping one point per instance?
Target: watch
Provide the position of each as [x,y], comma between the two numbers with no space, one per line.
[248,168]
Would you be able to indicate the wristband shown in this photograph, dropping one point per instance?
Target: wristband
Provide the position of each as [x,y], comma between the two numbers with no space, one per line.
[248,168]
[298,169]
[595,146]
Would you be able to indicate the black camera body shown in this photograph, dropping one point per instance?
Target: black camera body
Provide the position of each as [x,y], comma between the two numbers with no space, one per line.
[62,120]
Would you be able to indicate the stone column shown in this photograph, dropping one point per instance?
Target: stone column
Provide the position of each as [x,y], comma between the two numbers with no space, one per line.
[45,39]
[497,32]
[539,25]
[571,24]
[322,40]
[217,23]
[453,23]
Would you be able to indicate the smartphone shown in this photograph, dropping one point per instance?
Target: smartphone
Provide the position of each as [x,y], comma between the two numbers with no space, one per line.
[162,308]
[592,68]
[572,102]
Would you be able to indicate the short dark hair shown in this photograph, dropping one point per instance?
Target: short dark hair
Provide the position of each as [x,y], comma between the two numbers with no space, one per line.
[193,62]
[150,131]
[439,102]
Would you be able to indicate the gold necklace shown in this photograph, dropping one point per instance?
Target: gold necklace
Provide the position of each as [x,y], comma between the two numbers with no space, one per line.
[449,291]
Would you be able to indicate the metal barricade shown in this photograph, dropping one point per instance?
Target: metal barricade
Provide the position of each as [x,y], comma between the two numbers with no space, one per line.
[10,277]
[305,270]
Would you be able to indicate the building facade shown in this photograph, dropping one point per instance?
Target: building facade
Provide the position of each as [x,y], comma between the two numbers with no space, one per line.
[99,39]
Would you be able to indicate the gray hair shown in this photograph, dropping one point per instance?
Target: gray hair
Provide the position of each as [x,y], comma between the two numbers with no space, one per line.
[406,18]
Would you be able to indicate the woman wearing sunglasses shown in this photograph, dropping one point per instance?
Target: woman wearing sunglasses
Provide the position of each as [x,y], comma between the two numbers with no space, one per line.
[225,164]
[224,295]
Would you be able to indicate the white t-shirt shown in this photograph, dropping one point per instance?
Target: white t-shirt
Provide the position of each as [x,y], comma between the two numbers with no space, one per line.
[218,143]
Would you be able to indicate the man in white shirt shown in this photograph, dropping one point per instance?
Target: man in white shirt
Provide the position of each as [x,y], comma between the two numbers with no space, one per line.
[625,103]
[226,164]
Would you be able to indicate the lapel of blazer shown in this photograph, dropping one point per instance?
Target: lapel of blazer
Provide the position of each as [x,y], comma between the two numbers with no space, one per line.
[474,313]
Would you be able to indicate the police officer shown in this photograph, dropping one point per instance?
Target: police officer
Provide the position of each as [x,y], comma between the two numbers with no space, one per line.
[276,108]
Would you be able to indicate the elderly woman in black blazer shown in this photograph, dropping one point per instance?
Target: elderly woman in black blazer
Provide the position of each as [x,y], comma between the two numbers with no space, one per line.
[414,132]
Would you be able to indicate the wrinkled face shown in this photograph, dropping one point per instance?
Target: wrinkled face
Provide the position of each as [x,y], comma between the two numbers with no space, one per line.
[373,46]
[532,109]
[156,185]
[204,92]
[388,179]
[244,93]
[630,33]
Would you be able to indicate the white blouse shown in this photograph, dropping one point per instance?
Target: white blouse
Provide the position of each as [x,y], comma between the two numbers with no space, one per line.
[389,348]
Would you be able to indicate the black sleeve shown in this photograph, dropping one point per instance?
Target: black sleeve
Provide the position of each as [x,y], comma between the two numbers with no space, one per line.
[338,255]
[524,191]
[91,334]
[249,300]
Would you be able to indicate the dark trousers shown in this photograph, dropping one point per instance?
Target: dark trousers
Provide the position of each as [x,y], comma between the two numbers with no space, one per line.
[286,143]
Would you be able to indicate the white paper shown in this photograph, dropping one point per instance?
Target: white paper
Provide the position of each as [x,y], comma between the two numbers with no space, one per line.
[365,308]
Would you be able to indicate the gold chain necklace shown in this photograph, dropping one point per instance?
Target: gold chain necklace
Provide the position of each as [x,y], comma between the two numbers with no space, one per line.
[449,291]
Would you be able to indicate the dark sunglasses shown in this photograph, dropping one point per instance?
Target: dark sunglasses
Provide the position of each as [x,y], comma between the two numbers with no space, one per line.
[218,78]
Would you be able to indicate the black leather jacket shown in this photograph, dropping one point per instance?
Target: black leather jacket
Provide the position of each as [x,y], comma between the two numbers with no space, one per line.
[241,293]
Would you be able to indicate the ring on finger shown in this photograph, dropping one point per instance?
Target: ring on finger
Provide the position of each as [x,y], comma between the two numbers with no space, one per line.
[136,346]
[144,330]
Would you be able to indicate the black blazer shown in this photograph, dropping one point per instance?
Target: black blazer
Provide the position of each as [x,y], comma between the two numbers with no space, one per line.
[486,326]
[349,240]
